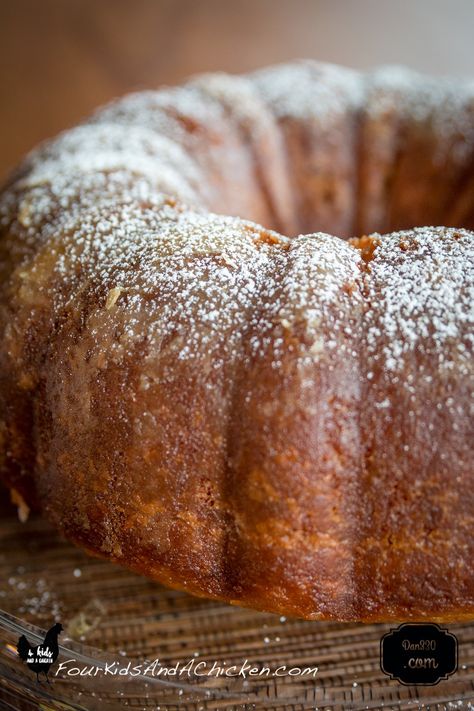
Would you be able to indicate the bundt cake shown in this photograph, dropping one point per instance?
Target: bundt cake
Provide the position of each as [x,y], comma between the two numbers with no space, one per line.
[283,422]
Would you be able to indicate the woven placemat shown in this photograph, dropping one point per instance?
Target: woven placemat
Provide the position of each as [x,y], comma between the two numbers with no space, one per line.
[110,614]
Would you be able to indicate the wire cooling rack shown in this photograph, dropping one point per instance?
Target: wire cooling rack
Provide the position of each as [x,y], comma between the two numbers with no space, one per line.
[111,616]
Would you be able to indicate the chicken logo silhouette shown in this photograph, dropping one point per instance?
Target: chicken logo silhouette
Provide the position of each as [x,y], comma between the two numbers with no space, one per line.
[40,658]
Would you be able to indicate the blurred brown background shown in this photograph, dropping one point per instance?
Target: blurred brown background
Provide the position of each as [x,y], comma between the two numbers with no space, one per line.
[61,58]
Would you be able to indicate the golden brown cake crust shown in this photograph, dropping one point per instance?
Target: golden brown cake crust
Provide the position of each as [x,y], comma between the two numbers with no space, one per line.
[284,423]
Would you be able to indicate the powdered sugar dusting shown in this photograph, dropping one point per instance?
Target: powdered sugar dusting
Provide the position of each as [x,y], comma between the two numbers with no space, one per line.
[421,289]
[314,296]
[309,90]
[445,106]
[101,209]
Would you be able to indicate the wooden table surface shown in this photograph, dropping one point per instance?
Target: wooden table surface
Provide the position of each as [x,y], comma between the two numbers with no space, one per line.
[61,58]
